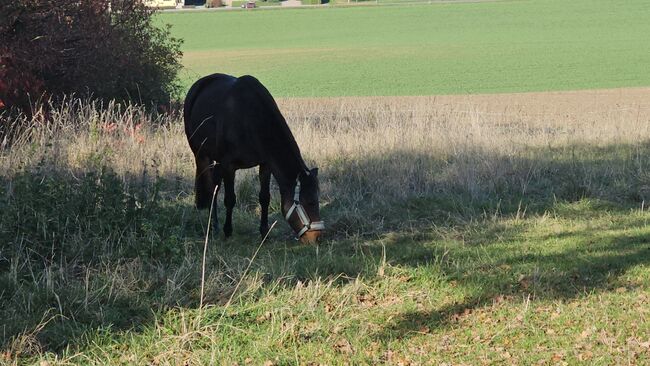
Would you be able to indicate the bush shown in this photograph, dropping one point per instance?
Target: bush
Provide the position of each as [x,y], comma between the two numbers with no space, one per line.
[106,49]
[311,2]
[213,3]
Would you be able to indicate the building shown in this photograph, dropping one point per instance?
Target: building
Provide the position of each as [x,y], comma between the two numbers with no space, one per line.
[163,3]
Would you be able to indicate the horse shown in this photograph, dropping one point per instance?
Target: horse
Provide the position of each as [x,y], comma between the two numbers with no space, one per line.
[234,123]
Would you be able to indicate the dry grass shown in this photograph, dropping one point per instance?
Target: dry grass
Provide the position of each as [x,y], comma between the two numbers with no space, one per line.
[396,146]
[415,145]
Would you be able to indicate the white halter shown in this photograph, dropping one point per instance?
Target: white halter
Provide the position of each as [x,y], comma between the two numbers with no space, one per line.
[307,224]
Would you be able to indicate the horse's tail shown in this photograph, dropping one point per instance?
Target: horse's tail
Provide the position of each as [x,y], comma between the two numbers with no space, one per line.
[266,96]
[190,98]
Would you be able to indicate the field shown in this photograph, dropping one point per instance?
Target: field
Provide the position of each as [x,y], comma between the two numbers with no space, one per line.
[469,229]
[462,229]
[484,47]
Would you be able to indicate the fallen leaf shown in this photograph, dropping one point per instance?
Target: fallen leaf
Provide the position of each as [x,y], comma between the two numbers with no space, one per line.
[343,346]
[328,308]
[585,356]
[264,317]
[557,357]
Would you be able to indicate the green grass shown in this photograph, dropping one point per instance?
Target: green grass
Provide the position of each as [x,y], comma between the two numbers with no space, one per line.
[489,47]
[570,283]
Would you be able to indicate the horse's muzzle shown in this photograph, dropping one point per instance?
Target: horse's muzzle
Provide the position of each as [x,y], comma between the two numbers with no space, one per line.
[310,237]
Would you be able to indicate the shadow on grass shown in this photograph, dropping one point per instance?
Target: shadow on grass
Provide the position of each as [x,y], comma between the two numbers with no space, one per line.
[478,234]
[59,228]
[83,250]
[585,262]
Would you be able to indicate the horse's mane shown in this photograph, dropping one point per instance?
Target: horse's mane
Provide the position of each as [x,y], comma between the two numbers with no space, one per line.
[266,96]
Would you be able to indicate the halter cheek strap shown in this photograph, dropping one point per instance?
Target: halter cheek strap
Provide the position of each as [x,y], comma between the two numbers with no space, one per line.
[307,224]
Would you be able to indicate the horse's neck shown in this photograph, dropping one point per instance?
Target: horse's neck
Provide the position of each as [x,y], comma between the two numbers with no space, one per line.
[286,160]
[286,171]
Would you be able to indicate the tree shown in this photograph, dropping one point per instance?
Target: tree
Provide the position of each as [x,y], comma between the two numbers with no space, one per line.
[104,49]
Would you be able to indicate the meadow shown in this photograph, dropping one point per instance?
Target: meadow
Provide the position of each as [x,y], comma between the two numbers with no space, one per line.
[469,229]
[465,230]
[423,49]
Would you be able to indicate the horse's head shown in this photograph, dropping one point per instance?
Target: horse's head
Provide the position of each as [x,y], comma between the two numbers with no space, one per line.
[303,211]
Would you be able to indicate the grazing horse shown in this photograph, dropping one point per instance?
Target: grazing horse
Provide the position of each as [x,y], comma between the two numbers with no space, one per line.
[233,123]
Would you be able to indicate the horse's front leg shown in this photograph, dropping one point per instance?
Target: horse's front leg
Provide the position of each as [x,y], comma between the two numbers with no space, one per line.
[229,199]
[265,198]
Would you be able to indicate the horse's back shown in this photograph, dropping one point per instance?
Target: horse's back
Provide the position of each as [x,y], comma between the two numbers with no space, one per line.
[209,87]
[226,116]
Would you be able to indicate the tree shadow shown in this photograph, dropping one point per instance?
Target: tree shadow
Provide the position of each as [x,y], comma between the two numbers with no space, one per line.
[595,264]
[402,205]
[488,213]
[76,246]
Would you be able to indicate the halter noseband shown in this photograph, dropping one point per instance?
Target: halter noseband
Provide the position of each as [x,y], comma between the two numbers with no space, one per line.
[307,224]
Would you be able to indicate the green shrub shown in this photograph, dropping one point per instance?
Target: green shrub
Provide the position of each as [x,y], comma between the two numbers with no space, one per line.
[311,2]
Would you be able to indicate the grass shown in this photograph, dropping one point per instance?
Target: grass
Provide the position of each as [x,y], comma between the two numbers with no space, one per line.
[425,49]
[455,234]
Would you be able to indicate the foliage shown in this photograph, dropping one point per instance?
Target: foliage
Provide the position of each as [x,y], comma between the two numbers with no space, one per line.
[103,48]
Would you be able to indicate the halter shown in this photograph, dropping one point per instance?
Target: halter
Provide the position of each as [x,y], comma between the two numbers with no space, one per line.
[307,224]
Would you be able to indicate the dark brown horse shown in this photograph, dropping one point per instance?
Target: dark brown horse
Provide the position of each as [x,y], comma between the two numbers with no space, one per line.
[234,123]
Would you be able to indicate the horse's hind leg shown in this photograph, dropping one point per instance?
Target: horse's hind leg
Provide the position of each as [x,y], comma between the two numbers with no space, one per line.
[265,198]
[229,199]
[203,184]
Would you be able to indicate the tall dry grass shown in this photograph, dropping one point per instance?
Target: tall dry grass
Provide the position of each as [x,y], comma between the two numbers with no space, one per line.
[375,147]
[399,147]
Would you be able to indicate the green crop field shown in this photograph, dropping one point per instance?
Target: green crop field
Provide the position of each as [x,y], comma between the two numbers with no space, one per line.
[424,49]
